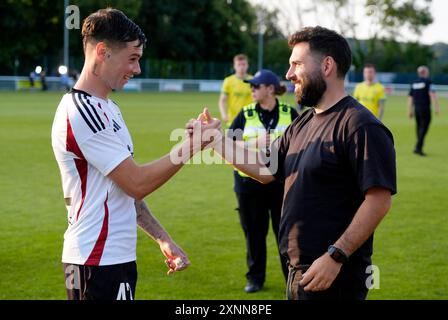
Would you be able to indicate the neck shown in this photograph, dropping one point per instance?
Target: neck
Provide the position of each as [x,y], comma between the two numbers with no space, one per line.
[334,93]
[369,82]
[91,82]
[268,104]
[241,75]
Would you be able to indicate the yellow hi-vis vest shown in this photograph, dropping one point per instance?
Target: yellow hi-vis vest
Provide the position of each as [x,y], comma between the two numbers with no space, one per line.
[254,127]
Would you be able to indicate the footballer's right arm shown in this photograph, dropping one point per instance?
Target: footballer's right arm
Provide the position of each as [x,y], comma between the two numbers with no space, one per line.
[223,107]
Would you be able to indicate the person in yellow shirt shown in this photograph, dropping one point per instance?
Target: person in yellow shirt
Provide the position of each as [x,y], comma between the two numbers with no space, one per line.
[371,94]
[235,93]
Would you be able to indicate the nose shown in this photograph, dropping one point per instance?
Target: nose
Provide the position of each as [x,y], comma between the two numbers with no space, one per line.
[290,74]
[137,69]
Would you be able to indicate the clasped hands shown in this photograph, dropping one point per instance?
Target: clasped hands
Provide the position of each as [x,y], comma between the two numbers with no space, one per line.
[204,131]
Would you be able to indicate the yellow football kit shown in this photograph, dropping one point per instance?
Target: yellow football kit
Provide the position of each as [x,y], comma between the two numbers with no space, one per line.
[370,96]
[238,95]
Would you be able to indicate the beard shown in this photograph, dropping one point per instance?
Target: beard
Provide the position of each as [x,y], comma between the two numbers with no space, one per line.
[311,91]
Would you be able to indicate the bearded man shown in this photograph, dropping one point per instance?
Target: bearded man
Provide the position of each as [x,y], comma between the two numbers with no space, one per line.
[338,164]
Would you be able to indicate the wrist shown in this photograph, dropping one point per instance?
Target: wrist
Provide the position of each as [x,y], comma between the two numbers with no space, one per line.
[163,239]
[217,139]
[337,254]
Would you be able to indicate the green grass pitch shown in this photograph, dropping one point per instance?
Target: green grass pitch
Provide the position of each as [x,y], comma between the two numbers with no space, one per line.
[197,207]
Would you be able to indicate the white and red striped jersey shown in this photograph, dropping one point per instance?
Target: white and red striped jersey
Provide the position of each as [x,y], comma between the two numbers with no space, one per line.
[90,139]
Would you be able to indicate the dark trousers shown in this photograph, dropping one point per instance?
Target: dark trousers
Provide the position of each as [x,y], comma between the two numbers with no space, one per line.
[350,284]
[254,210]
[423,120]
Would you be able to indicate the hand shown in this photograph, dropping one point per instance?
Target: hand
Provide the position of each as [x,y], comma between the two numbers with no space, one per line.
[205,129]
[321,274]
[411,114]
[176,260]
[224,118]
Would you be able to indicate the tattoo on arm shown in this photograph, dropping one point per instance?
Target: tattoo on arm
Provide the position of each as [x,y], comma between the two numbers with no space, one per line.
[148,223]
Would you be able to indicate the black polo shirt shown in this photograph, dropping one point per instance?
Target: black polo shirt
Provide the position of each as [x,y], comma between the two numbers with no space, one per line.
[328,161]
[419,92]
[270,121]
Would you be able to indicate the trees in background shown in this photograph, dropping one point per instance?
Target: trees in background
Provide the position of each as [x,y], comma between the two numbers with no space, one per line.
[186,36]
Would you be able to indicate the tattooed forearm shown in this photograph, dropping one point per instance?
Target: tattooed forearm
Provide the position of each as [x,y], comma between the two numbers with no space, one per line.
[148,223]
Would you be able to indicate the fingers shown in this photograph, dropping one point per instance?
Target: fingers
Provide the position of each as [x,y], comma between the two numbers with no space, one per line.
[192,125]
[201,117]
[207,114]
[310,281]
[176,264]
[306,278]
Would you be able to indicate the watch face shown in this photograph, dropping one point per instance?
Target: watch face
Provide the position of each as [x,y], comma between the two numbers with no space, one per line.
[336,254]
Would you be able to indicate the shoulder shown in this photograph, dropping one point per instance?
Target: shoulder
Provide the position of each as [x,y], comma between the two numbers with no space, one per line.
[284,105]
[252,106]
[230,78]
[84,113]
[239,122]
[287,108]
[379,86]
[355,117]
[300,120]
[359,85]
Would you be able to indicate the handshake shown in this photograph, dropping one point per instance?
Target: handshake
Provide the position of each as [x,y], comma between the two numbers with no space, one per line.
[201,133]
[257,161]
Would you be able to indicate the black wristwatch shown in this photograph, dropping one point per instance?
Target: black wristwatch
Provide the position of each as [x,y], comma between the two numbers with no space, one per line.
[337,254]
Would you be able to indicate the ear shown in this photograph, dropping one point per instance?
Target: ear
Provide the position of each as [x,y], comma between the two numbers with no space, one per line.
[101,51]
[329,66]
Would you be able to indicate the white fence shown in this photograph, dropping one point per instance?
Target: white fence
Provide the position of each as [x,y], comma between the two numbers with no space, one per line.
[176,85]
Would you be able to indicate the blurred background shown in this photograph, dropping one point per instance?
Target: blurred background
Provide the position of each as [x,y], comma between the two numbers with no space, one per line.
[196,39]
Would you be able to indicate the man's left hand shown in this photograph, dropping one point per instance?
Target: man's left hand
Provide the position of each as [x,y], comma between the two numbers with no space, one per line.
[321,274]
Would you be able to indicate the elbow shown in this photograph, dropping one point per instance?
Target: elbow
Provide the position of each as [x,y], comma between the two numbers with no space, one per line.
[136,189]
[140,190]
[138,195]
[135,193]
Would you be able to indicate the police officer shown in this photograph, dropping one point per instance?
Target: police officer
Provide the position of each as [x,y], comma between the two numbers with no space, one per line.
[256,126]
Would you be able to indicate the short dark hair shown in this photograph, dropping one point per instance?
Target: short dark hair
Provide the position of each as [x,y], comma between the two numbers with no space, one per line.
[369,65]
[111,26]
[327,43]
[240,56]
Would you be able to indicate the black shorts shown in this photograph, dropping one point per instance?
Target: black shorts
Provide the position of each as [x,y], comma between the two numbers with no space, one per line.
[114,282]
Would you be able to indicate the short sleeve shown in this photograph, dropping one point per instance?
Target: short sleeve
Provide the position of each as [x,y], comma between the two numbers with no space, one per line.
[431,88]
[371,155]
[225,86]
[105,151]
